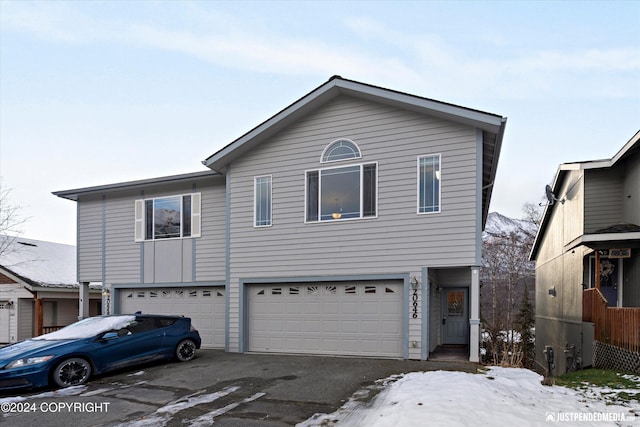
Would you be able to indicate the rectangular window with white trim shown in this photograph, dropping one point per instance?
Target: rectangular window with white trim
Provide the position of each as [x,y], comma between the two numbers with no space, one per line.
[170,217]
[429,184]
[339,193]
[262,201]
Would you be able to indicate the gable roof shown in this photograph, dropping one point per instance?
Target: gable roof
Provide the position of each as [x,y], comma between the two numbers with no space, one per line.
[492,125]
[630,148]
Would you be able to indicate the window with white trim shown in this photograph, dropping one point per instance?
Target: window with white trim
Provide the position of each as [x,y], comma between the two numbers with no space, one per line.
[340,193]
[262,201]
[429,184]
[340,149]
[170,217]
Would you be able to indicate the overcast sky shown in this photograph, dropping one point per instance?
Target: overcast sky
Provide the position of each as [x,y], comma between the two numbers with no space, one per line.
[101,92]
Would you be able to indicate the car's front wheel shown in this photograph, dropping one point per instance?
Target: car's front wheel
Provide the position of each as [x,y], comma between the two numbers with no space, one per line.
[185,350]
[70,372]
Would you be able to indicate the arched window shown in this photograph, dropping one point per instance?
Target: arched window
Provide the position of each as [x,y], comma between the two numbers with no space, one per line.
[340,149]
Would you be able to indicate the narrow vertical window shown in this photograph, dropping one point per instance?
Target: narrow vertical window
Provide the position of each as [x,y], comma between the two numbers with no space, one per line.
[148,208]
[262,196]
[313,191]
[186,216]
[369,190]
[429,184]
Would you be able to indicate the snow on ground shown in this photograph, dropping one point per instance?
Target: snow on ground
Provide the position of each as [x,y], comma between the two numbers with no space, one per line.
[497,397]
[69,391]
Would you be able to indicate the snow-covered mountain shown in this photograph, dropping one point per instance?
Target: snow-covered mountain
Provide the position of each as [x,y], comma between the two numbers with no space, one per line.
[500,225]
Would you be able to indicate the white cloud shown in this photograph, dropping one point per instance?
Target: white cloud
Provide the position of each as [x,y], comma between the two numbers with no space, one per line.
[412,60]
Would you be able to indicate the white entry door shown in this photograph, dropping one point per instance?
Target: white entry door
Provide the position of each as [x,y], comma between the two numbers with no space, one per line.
[363,319]
[205,307]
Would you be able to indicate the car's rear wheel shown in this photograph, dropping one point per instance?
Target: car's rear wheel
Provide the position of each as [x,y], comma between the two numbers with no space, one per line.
[70,372]
[185,350]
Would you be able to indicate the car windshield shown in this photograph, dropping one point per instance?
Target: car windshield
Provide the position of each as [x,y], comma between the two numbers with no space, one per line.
[89,327]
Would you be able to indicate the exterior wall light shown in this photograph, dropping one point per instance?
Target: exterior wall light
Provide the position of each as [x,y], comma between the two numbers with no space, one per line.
[414,282]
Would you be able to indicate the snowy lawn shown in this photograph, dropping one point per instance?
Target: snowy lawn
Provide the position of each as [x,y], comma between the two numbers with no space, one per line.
[496,397]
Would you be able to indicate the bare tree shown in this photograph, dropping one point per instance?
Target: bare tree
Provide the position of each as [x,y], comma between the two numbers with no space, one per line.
[532,212]
[10,220]
[507,276]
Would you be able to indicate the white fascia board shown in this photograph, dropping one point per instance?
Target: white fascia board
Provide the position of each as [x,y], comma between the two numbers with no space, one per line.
[635,139]
[604,237]
[485,121]
[271,125]
[73,194]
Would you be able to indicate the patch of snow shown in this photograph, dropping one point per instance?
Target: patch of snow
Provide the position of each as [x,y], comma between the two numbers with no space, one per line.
[135,374]
[163,415]
[69,391]
[89,327]
[206,420]
[499,396]
[96,392]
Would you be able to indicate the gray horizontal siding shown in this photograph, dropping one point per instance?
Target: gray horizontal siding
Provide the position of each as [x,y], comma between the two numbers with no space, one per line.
[123,256]
[90,240]
[603,199]
[210,248]
[399,239]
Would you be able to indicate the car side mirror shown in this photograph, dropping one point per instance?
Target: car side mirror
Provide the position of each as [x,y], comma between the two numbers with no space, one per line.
[109,336]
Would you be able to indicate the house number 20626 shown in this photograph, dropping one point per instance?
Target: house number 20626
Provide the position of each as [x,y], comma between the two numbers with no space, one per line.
[414,299]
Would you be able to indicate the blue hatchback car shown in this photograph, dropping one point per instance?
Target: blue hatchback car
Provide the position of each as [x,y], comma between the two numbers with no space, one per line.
[95,345]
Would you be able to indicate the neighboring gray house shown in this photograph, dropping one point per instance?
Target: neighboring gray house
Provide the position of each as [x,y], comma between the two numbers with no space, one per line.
[38,288]
[349,223]
[593,225]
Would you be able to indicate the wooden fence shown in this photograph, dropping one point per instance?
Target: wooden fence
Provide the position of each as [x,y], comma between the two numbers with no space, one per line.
[613,325]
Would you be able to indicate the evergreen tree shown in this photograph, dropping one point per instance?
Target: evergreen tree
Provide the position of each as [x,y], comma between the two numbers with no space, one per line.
[525,321]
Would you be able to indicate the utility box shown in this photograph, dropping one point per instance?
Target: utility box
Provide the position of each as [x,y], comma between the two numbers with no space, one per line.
[588,329]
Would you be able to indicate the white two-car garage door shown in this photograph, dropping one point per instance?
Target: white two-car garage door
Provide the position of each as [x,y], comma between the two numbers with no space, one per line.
[363,319]
[204,305]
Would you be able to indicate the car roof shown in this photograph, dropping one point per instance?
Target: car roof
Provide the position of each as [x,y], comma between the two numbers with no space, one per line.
[161,316]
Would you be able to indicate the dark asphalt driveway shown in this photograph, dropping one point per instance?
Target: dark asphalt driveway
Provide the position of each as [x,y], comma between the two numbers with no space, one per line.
[229,389]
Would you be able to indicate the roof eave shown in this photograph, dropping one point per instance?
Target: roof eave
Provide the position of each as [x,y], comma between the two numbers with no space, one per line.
[563,169]
[335,86]
[75,193]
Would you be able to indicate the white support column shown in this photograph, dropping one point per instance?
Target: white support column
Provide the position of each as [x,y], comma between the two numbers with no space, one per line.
[474,318]
[83,301]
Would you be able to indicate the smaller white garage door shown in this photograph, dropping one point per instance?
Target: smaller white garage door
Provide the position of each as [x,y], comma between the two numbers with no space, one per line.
[205,307]
[363,319]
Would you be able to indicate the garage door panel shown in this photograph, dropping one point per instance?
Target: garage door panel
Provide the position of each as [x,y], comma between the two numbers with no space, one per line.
[335,319]
[205,307]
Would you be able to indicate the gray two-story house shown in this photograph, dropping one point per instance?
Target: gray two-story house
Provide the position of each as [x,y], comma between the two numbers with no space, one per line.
[349,223]
[587,254]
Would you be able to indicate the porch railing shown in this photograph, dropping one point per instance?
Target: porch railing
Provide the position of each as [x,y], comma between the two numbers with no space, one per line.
[612,325]
[47,329]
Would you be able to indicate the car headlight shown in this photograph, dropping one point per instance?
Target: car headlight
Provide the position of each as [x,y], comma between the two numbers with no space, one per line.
[27,361]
